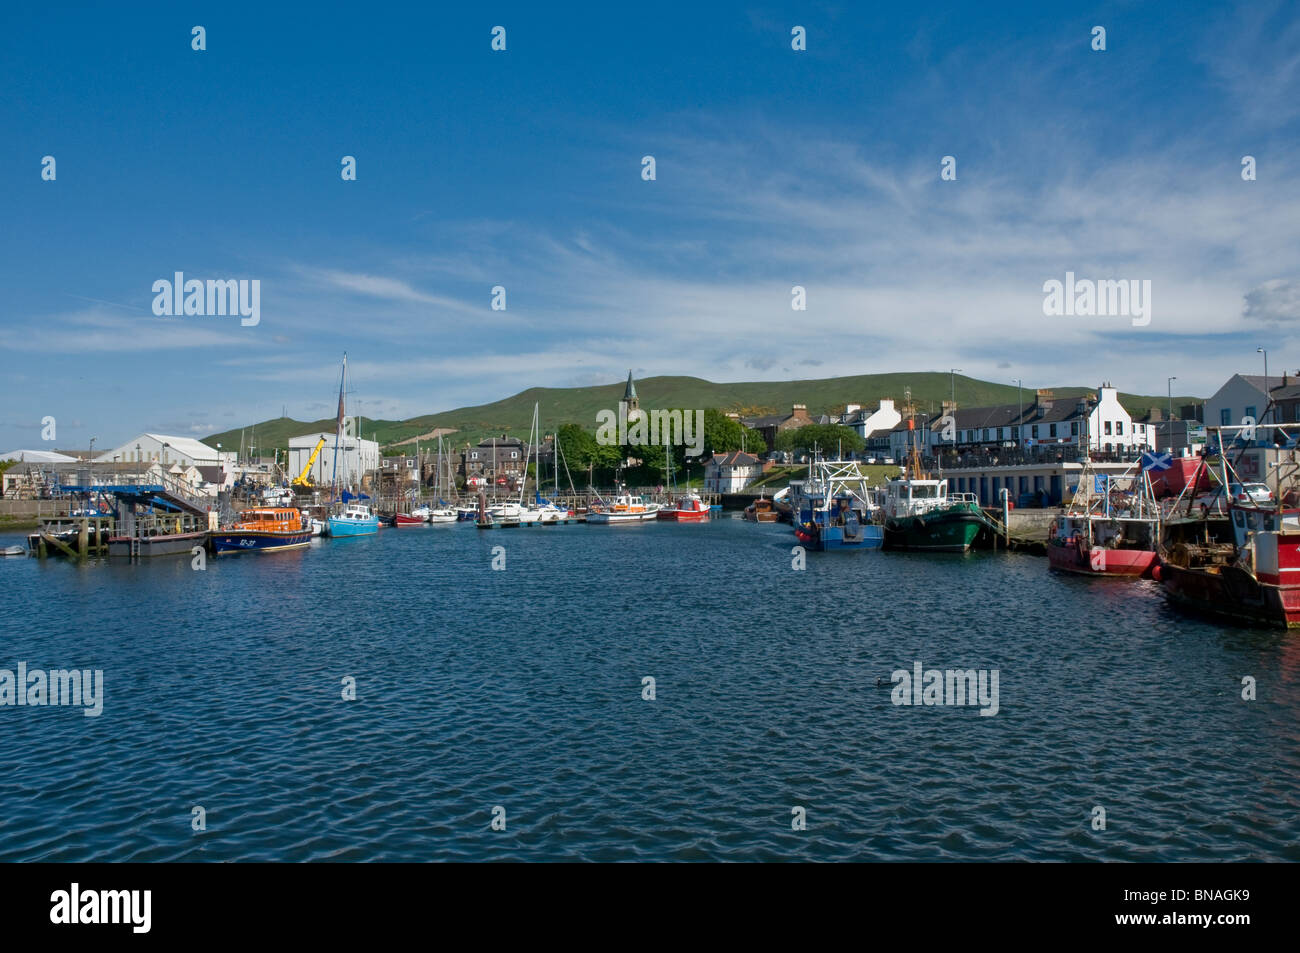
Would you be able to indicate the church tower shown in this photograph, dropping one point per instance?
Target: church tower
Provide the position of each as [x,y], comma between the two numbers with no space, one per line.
[629,396]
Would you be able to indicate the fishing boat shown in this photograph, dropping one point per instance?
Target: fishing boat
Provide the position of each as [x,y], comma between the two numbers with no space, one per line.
[688,509]
[417,517]
[264,529]
[355,520]
[834,508]
[921,514]
[1111,528]
[625,508]
[762,510]
[1254,577]
[13,551]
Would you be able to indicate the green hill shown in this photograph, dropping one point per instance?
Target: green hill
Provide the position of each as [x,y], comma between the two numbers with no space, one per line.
[561,405]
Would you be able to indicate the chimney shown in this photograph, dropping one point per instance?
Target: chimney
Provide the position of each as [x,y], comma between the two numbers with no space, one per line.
[1043,401]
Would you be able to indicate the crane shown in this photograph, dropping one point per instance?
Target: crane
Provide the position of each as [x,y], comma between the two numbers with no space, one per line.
[301,478]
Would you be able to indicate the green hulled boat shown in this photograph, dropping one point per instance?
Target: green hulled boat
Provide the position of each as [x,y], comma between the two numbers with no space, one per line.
[922,515]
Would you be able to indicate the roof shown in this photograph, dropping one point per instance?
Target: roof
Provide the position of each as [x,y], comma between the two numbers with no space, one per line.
[630,392]
[37,456]
[184,446]
[735,458]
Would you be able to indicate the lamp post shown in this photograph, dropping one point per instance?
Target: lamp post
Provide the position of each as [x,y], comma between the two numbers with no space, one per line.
[1020,424]
[952,379]
[1169,425]
[1267,399]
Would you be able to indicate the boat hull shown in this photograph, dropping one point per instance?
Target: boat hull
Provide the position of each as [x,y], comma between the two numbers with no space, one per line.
[608,518]
[824,538]
[175,544]
[1067,556]
[258,541]
[1228,592]
[403,519]
[948,532]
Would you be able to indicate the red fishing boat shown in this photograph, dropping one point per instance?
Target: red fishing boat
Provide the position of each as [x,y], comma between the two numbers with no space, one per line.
[1255,582]
[1254,578]
[1111,528]
[687,509]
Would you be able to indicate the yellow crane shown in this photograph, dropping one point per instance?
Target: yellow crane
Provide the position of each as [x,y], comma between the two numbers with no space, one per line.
[301,478]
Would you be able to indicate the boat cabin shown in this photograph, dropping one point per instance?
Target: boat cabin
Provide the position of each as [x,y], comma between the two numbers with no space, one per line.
[271,519]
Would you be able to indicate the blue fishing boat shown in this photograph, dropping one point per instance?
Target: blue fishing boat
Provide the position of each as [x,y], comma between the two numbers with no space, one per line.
[835,508]
[355,520]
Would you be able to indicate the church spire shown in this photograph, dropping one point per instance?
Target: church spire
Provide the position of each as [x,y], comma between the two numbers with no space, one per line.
[630,393]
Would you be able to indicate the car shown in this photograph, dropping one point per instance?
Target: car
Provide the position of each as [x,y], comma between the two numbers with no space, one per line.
[872,460]
[1251,493]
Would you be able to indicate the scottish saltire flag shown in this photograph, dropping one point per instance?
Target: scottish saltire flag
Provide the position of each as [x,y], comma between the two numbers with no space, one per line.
[1099,483]
[1157,461]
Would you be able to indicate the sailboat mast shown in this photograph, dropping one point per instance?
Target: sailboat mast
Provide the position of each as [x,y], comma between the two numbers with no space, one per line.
[338,430]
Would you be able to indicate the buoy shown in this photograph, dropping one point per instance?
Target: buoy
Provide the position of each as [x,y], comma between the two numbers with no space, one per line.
[1155,572]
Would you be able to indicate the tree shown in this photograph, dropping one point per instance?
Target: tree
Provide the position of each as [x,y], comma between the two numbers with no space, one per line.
[827,438]
[722,434]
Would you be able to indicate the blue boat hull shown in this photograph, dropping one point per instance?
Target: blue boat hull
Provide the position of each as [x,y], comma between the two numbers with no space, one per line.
[822,538]
[340,527]
[252,541]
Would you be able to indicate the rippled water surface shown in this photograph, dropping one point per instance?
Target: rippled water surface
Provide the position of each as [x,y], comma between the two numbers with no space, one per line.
[523,688]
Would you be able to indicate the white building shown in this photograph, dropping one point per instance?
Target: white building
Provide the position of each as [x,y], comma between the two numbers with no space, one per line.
[1046,421]
[731,472]
[160,448]
[1244,395]
[884,419]
[356,457]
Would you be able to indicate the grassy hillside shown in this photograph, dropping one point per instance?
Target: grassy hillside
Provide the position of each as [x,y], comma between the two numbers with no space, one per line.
[514,415]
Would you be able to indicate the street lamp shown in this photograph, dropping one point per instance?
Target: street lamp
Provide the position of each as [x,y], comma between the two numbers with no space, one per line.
[1169,425]
[952,379]
[1020,425]
[1260,350]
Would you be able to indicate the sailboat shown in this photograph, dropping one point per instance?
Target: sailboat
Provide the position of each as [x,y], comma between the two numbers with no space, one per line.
[356,518]
[443,512]
[519,513]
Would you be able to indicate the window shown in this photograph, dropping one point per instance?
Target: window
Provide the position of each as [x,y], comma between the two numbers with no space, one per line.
[1225,417]
[1107,425]
[1250,412]
[1119,427]
[473,455]
[1035,431]
[1074,429]
[1051,430]
[1015,433]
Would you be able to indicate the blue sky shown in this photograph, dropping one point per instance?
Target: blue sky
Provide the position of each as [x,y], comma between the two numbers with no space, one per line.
[522,169]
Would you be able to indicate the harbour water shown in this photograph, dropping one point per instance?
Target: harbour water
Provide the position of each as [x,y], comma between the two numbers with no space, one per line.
[522,688]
